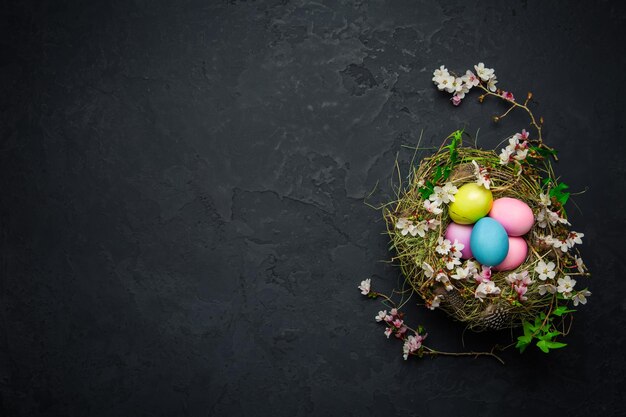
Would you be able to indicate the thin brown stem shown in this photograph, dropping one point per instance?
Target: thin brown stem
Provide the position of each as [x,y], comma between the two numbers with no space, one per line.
[378,294]
[503,115]
[514,104]
[434,352]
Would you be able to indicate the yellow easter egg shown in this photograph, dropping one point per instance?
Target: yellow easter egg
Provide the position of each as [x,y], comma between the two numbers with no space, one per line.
[471,203]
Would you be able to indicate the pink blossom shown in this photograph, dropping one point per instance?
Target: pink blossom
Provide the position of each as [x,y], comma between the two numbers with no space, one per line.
[525,278]
[471,79]
[415,342]
[401,331]
[519,283]
[524,134]
[388,332]
[521,290]
[398,323]
[412,344]
[456,100]
[508,96]
[484,275]
[394,312]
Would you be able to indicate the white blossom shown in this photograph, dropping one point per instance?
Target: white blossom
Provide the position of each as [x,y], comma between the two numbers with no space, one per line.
[435,302]
[407,226]
[442,71]
[443,278]
[560,244]
[445,83]
[520,278]
[457,87]
[482,176]
[521,154]
[486,288]
[456,248]
[543,288]
[443,246]
[544,199]
[420,228]
[452,262]
[579,264]
[432,207]
[546,216]
[428,270]
[365,286]
[491,84]
[544,240]
[566,286]
[545,270]
[574,238]
[470,79]
[463,273]
[403,225]
[381,315]
[443,194]
[432,224]
[515,150]
[581,297]
[471,266]
[505,155]
[485,74]
[449,190]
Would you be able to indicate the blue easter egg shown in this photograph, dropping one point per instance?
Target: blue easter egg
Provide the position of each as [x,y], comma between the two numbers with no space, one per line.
[489,242]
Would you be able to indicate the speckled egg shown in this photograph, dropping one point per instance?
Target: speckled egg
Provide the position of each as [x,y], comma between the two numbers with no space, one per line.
[489,242]
[461,233]
[471,202]
[518,249]
[513,214]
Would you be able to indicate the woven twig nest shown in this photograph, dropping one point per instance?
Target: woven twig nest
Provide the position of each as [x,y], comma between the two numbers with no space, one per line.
[527,181]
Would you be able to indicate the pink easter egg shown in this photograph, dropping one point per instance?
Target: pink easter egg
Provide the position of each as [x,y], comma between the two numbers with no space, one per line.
[513,214]
[461,233]
[518,249]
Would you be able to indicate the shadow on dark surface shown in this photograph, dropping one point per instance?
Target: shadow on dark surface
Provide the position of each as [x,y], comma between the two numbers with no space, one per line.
[182,222]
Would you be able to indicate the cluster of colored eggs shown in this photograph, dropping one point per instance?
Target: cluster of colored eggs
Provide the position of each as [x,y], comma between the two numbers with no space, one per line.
[490,230]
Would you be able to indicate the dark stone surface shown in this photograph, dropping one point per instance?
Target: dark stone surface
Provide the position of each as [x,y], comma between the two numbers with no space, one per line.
[182,217]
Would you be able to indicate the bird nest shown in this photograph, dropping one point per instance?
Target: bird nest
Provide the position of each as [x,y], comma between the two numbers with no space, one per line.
[534,289]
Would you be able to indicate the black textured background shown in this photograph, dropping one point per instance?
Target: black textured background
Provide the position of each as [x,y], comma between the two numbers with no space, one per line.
[182,216]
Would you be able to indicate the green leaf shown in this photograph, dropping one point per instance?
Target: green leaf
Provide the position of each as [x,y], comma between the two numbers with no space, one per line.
[427,189]
[523,342]
[438,174]
[559,311]
[528,329]
[543,345]
[546,153]
[555,345]
[548,336]
[559,193]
